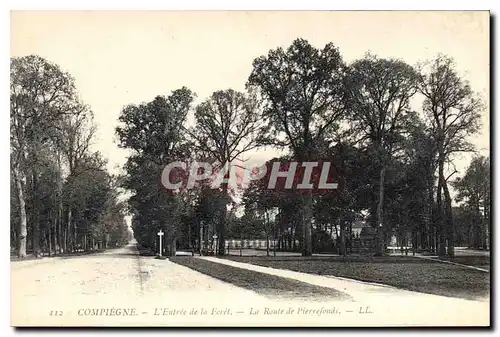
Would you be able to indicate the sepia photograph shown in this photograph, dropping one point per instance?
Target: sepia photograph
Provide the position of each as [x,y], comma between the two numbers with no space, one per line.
[250,168]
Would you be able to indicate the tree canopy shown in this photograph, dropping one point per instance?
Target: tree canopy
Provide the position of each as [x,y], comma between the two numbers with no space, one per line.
[392,131]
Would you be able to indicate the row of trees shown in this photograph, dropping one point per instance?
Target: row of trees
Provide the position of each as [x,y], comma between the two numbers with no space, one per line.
[62,197]
[474,194]
[395,128]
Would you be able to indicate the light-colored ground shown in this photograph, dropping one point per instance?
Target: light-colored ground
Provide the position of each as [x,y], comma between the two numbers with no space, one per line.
[397,303]
[120,279]
[464,251]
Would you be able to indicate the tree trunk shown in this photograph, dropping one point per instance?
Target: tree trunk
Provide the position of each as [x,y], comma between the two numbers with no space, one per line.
[76,236]
[50,234]
[200,239]
[13,236]
[69,238]
[173,247]
[266,224]
[486,228]
[67,230]
[350,238]
[306,225]
[427,216]
[65,240]
[61,241]
[485,218]
[36,215]
[450,231]
[342,249]
[21,243]
[222,224]
[267,243]
[440,211]
[57,231]
[380,236]
[278,238]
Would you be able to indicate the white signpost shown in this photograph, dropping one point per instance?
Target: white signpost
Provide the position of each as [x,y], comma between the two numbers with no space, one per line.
[160,234]
[216,247]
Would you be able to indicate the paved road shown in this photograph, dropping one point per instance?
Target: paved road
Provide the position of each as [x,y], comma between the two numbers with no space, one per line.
[100,289]
[118,278]
[464,251]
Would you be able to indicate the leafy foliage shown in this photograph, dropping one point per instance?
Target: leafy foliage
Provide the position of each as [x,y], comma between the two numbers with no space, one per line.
[62,190]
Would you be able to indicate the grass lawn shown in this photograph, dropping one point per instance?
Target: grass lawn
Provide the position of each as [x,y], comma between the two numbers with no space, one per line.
[476,261]
[403,272]
[263,284]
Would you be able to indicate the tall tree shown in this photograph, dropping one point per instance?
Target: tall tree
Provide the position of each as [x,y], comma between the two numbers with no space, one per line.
[75,135]
[420,172]
[228,124]
[303,91]
[154,133]
[453,111]
[85,193]
[51,130]
[379,93]
[259,201]
[475,189]
[335,209]
[40,94]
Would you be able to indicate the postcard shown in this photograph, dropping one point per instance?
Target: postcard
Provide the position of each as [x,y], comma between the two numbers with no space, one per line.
[250,168]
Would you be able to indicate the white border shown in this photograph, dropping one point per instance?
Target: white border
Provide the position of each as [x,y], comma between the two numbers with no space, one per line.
[182,5]
[252,5]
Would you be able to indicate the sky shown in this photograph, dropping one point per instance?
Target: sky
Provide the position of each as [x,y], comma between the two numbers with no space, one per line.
[119,58]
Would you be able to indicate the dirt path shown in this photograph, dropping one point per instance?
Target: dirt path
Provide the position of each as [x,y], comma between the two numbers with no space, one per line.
[403,306]
[121,288]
